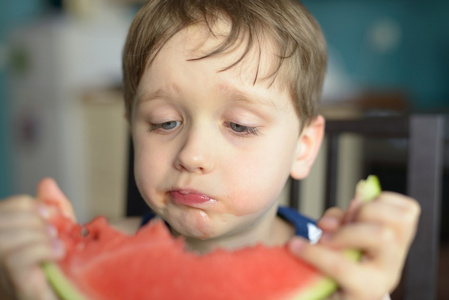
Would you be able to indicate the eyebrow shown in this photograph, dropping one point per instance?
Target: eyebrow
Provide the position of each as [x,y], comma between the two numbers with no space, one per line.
[149,96]
[231,93]
[159,93]
[240,96]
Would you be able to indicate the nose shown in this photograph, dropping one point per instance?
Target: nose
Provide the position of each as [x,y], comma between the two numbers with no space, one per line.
[196,154]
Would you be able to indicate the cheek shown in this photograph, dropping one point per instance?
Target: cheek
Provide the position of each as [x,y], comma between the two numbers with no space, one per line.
[149,166]
[258,179]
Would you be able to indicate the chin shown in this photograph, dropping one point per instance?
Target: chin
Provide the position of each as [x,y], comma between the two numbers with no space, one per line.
[192,232]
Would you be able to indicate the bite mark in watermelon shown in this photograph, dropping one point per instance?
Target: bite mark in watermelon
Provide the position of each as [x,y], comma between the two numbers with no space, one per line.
[105,264]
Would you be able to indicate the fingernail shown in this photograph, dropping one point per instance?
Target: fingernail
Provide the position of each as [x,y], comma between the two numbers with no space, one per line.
[296,244]
[43,211]
[58,247]
[330,221]
[52,231]
[326,236]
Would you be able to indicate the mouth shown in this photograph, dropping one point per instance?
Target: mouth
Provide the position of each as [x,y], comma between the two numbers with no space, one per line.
[189,197]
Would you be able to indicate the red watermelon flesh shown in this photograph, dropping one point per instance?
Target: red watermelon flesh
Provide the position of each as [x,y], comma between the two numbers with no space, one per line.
[105,264]
[102,263]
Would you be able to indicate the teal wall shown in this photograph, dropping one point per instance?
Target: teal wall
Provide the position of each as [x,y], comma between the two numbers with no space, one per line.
[12,13]
[420,63]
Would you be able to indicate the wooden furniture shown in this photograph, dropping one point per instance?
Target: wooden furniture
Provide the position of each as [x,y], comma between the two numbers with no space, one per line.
[424,182]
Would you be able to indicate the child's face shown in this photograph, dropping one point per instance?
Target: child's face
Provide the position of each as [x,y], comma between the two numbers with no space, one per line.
[212,149]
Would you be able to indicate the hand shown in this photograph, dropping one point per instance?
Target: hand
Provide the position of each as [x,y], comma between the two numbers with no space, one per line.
[26,240]
[382,229]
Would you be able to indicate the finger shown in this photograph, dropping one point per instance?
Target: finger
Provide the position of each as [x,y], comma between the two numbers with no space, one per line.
[25,274]
[20,237]
[21,219]
[352,210]
[403,219]
[18,203]
[352,277]
[48,191]
[34,287]
[370,238]
[331,219]
[38,289]
[398,200]
[336,296]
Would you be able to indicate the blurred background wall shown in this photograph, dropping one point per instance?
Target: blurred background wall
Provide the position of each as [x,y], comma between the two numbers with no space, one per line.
[60,62]
[391,44]
[60,100]
[12,14]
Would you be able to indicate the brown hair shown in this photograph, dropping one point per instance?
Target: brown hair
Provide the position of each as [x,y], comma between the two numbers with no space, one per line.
[297,36]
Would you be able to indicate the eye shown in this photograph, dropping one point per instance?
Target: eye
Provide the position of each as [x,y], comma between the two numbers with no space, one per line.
[243,129]
[165,126]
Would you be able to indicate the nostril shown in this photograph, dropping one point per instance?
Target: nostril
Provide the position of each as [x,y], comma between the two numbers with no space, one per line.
[194,164]
[195,154]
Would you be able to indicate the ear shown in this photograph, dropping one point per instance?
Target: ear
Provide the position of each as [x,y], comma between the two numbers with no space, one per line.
[309,143]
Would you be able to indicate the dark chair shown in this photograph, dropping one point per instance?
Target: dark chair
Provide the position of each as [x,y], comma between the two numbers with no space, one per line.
[135,205]
[424,182]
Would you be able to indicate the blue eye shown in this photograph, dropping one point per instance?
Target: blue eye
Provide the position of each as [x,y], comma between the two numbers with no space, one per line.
[165,126]
[170,125]
[242,129]
[238,128]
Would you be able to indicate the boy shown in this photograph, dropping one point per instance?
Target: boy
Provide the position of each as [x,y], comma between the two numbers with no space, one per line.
[221,98]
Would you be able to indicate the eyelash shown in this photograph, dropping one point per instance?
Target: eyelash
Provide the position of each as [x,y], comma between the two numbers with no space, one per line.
[160,126]
[246,130]
[235,127]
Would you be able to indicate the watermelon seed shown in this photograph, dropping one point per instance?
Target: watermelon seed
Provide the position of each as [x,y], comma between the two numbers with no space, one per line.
[84,232]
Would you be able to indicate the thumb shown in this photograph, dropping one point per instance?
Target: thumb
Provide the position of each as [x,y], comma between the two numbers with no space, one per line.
[49,192]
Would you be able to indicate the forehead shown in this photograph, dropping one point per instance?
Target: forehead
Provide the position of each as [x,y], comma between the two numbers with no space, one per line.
[181,68]
[252,56]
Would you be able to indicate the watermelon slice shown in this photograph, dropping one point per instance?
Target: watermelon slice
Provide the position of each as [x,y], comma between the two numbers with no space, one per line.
[102,263]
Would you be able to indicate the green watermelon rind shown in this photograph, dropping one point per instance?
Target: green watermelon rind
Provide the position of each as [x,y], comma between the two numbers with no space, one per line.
[366,191]
[322,289]
[61,285]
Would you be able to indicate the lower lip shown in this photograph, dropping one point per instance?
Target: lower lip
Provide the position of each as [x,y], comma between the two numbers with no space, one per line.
[190,199]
